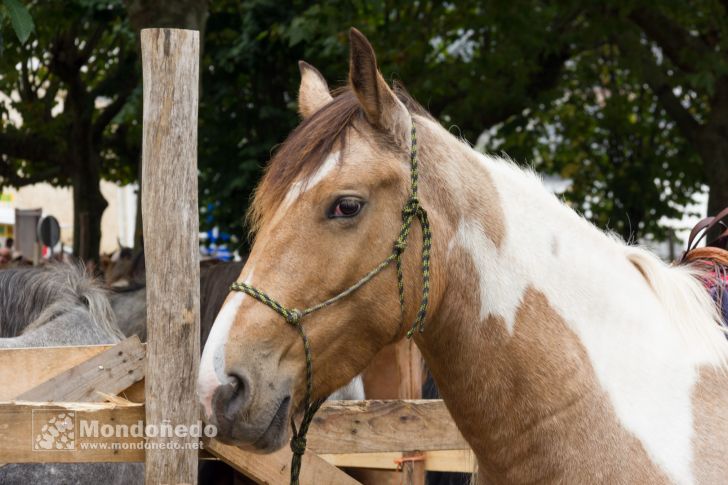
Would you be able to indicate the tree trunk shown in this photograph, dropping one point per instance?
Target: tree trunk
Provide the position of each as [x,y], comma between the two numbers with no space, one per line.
[88,207]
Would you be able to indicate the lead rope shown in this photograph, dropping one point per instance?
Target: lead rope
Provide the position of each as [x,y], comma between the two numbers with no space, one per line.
[412,209]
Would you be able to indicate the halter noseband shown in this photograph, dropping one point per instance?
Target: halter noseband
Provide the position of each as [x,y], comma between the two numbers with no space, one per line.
[293,316]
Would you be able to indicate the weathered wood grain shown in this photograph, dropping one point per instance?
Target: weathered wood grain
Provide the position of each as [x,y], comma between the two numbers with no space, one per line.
[410,365]
[274,468]
[111,372]
[24,369]
[22,422]
[462,461]
[170,61]
[374,426]
[344,427]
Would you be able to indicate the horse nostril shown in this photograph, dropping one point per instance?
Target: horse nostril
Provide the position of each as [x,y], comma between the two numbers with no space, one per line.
[239,394]
[240,383]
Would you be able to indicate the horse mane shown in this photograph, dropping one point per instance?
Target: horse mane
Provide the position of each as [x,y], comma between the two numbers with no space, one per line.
[308,145]
[32,297]
[687,303]
[709,254]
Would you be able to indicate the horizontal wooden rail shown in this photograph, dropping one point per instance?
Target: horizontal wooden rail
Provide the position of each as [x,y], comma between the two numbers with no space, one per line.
[33,432]
[342,427]
[380,426]
[434,461]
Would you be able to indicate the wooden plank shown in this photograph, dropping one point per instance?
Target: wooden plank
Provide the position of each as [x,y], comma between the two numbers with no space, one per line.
[374,426]
[410,369]
[24,369]
[21,425]
[462,461]
[111,371]
[410,365]
[170,62]
[274,468]
[340,427]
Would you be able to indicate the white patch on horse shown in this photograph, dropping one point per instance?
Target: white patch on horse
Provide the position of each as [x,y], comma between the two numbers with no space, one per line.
[302,186]
[500,292]
[353,391]
[638,355]
[212,363]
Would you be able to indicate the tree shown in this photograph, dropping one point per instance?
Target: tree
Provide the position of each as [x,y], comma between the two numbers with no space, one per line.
[660,128]
[627,162]
[68,118]
[251,78]
[627,99]
[679,50]
[529,72]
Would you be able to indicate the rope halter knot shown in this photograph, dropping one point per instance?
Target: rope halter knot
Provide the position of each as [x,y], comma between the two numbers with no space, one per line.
[412,209]
[294,316]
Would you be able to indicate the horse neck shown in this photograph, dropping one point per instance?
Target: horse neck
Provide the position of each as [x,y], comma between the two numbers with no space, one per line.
[535,320]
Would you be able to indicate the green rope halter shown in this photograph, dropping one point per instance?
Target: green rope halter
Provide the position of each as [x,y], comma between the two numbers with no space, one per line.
[293,316]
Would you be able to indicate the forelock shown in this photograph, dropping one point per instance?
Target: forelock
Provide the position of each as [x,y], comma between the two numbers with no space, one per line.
[308,146]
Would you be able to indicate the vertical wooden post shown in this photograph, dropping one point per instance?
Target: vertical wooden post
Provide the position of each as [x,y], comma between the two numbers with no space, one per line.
[170,59]
[409,363]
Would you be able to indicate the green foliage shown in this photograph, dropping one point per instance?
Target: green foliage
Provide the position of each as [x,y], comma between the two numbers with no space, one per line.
[20,19]
[470,64]
[624,126]
[530,73]
[628,164]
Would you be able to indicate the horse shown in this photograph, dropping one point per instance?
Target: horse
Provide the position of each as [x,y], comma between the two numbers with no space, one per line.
[563,354]
[55,304]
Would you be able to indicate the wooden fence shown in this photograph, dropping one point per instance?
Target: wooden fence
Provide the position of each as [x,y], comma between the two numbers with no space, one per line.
[105,391]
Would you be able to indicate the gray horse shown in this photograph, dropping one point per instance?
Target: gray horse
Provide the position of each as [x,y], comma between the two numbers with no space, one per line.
[54,305]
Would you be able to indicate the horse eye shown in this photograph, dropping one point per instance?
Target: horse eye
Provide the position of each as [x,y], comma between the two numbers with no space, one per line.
[346,207]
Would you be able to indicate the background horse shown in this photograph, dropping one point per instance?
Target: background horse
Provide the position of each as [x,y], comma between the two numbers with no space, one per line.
[54,305]
[563,355]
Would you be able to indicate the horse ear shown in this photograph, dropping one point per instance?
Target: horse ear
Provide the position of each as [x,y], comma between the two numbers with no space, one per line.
[381,106]
[313,93]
